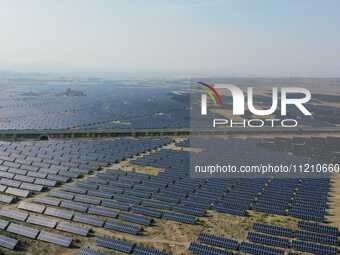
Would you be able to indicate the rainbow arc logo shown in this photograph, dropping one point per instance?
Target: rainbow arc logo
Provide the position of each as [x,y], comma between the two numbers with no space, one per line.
[212,93]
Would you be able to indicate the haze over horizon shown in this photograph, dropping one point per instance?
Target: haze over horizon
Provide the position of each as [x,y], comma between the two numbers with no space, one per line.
[195,37]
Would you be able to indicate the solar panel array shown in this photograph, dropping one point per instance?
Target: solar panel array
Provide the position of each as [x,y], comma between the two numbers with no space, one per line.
[273,196]
[273,230]
[114,244]
[259,249]
[147,251]
[122,227]
[218,241]
[313,248]
[318,228]
[27,168]
[7,242]
[58,107]
[202,249]
[129,202]
[121,246]
[268,240]
[24,230]
[299,240]
[88,251]
[317,238]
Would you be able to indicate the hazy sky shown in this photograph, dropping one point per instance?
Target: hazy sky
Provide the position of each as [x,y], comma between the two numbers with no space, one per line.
[256,37]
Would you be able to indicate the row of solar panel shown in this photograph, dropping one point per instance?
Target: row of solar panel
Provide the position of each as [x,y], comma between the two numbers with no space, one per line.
[53,169]
[219,241]
[121,246]
[82,218]
[311,246]
[317,228]
[207,250]
[270,205]
[31,233]
[125,206]
[323,237]
[43,221]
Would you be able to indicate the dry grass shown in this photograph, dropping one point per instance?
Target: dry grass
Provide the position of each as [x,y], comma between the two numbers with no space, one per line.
[334,209]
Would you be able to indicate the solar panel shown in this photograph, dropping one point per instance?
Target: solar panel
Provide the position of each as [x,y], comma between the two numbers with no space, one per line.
[58,178]
[6,199]
[318,228]
[91,220]
[189,210]
[259,249]
[73,205]
[7,242]
[18,192]
[71,228]
[30,168]
[87,199]
[88,251]
[14,214]
[64,214]
[23,178]
[147,211]
[11,164]
[268,240]
[47,200]
[121,227]
[127,199]
[31,207]
[272,230]
[61,194]
[138,219]
[45,182]
[165,198]
[179,217]
[218,241]
[75,190]
[3,188]
[114,244]
[98,193]
[147,251]
[17,171]
[313,248]
[10,183]
[48,170]
[71,174]
[317,238]
[32,187]
[138,193]
[88,186]
[55,238]
[37,174]
[207,250]
[115,204]
[6,175]
[3,224]
[113,190]
[3,168]
[22,230]
[41,221]
[103,212]
[157,204]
